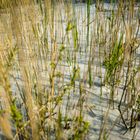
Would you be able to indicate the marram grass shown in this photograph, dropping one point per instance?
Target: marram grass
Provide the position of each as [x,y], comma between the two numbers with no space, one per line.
[49,60]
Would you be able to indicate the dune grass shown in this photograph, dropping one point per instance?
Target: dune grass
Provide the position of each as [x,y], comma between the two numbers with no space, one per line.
[46,69]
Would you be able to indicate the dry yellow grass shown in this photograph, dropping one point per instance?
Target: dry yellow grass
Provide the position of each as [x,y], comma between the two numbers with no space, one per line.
[33,50]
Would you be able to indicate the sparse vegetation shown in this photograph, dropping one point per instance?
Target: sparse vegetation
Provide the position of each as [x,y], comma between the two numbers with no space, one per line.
[52,52]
